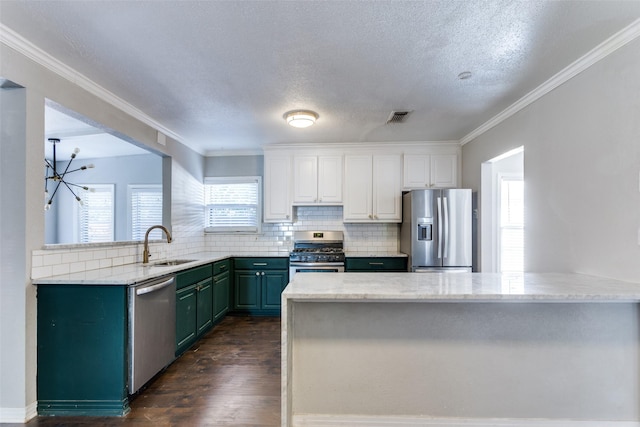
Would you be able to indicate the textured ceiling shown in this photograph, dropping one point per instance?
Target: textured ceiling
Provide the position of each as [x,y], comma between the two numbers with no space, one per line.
[221,74]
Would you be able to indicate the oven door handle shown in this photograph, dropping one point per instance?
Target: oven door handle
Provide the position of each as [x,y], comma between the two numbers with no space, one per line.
[316,264]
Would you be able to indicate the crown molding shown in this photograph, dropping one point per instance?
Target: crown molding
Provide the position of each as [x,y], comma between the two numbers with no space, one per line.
[604,49]
[20,44]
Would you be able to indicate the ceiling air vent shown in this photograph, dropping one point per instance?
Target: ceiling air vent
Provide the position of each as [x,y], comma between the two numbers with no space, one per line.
[398,116]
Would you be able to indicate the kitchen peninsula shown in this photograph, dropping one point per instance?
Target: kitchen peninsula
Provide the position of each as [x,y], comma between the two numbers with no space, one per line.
[460,349]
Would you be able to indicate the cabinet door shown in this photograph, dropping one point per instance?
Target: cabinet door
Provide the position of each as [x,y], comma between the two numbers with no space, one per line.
[186,323]
[204,314]
[357,188]
[417,171]
[273,282]
[444,170]
[220,295]
[387,191]
[330,179]
[305,179]
[247,290]
[277,190]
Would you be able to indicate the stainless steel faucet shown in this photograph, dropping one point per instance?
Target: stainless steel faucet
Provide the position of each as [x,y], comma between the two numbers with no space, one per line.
[145,252]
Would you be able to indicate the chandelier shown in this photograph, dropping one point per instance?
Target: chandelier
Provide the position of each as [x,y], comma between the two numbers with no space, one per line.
[52,174]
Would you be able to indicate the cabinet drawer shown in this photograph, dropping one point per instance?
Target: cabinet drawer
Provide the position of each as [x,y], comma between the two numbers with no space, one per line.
[193,275]
[223,266]
[376,264]
[278,263]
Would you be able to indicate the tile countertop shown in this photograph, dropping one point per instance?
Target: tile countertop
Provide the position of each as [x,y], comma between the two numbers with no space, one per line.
[459,287]
[130,274]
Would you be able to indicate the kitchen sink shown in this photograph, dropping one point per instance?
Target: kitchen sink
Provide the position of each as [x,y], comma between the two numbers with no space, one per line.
[171,262]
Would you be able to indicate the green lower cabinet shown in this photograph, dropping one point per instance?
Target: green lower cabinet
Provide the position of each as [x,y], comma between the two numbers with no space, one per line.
[221,287]
[194,305]
[82,350]
[247,290]
[204,316]
[273,283]
[373,264]
[186,320]
[258,284]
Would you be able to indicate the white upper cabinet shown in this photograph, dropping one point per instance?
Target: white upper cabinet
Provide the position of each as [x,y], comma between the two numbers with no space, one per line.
[277,188]
[430,171]
[372,186]
[317,180]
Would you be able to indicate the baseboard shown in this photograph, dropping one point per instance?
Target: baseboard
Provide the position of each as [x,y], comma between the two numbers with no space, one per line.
[18,415]
[390,421]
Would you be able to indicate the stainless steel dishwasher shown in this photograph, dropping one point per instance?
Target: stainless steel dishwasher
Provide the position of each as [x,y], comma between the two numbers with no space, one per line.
[152,329]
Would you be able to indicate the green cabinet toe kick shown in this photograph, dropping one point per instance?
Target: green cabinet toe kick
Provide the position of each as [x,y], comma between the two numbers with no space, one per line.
[84,408]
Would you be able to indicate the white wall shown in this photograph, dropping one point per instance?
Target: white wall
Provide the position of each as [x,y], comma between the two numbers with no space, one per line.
[582,165]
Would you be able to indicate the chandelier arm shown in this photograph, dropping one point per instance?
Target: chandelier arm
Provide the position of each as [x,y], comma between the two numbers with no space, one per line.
[72,192]
[54,192]
[84,187]
[78,169]
[66,169]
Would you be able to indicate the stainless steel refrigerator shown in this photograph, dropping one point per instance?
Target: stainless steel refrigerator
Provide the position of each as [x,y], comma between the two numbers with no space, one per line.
[436,230]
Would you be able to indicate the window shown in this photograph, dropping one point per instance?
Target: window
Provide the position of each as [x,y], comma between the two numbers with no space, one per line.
[233,204]
[95,216]
[511,224]
[145,210]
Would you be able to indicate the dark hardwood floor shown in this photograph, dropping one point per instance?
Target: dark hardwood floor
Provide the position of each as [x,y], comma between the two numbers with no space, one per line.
[231,377]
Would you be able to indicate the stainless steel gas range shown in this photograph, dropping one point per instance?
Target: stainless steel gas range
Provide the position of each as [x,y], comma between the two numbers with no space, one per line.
[316,252]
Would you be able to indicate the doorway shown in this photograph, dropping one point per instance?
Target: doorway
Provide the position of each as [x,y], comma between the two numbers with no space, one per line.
[502,208]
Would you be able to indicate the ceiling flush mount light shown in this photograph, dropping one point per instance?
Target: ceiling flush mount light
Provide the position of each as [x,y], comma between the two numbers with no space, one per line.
[52,174]
[465,75]
[301,118]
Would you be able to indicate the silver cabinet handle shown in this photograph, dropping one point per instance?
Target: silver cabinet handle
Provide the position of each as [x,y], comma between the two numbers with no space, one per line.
[376,263]
[257,273]
[262,273]
[259,263]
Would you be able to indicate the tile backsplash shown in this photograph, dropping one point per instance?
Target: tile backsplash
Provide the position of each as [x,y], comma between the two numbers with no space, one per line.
[275,239]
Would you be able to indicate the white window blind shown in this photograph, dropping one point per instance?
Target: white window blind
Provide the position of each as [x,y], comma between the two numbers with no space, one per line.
[233,204]
[511,225]
[145,210]
[95,216]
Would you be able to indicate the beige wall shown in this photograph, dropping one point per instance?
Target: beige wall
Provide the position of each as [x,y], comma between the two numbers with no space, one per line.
[581,169]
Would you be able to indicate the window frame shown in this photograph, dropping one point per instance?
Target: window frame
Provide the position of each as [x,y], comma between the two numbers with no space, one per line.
[234,229]
[130,190]
[502,177]
[79,208]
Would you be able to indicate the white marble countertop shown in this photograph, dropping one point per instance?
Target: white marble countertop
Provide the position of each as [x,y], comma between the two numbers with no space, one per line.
[130,274]
[462,287]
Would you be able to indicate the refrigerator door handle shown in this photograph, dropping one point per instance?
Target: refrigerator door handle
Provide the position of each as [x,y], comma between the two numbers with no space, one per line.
[439,201]
[446,228]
